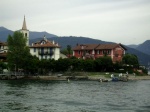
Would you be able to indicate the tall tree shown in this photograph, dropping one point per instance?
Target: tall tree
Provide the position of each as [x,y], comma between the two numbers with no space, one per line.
[69,50]
[18,52]
[131,59]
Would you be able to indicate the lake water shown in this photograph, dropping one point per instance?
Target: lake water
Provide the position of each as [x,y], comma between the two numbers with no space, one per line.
[76,96]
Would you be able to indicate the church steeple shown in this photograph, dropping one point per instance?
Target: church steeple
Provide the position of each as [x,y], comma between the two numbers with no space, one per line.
[24,27]
[25,31]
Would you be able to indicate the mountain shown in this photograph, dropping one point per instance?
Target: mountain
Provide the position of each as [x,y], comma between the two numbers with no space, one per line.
[3,29]
[144,47]
[34,35]
[143,58]
[4,32]
[72,40]
[133,46]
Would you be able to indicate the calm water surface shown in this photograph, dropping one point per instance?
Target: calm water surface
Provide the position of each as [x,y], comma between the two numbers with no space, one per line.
[76,96]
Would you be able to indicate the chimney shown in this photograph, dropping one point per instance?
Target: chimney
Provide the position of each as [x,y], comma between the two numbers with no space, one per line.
[45,38]
[53,42]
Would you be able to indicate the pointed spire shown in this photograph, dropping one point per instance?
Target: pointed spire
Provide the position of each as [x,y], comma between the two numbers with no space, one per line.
[24,27]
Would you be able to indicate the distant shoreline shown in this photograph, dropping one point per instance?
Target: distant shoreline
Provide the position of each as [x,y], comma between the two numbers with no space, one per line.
[92,78]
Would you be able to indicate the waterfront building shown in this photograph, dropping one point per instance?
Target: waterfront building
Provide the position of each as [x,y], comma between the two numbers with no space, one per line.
[84,51]
[45,49]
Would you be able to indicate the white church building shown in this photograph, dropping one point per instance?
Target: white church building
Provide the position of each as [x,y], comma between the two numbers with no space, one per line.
[43,49]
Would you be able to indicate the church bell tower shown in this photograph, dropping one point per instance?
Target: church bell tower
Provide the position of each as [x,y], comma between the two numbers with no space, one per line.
[25,31]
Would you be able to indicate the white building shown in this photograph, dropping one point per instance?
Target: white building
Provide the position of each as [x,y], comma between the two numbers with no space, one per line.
[45,49]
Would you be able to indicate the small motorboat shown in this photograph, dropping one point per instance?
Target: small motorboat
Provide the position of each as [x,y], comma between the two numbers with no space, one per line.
[103,80]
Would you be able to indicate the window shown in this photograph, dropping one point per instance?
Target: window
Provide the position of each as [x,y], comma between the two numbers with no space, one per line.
[43,42]
[106,52]
[34,49]
[45,56]
[78,52]
[25,34]
[97,51]
[109,52]
[41,56]
[42,50]
[51,51]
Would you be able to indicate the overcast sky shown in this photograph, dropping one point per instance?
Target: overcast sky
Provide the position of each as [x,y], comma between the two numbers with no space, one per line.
[120,21]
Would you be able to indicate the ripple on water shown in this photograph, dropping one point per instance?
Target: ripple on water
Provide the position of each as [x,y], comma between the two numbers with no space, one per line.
[76,96]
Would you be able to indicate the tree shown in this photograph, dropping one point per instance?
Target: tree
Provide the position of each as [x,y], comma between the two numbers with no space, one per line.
[104,64]
[69,50]
[64,51]
[2,66]
[88,65]
[131,59]
[18,52]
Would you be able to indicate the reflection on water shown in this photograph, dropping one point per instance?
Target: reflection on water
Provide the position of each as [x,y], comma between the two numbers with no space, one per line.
[76,96]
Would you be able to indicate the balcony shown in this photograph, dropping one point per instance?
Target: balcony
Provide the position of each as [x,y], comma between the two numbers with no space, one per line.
[45,53]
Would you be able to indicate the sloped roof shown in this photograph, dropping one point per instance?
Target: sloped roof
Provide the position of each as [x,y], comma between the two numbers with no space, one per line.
[3,43]
[106,46]
[44,43]
[85,47]
[97,46]
[4,54]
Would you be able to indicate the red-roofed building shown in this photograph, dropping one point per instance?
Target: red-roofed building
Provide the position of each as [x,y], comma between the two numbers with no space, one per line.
[45,49]
[115,51]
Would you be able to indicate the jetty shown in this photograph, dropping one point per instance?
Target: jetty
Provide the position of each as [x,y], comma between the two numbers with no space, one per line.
[10,76]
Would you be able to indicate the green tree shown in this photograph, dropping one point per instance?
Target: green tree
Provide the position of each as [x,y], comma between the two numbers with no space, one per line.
[88,65]
[131,59]
[104,64]
[18,52]
[64,51]
[2,66]
[77,64]
[31,64]
[62,65]
[69,50]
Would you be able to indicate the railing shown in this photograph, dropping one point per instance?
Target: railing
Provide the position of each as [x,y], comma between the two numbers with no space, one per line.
[45,53]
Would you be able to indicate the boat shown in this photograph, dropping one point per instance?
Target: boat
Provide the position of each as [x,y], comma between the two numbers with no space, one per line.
[115,79]
[103,80]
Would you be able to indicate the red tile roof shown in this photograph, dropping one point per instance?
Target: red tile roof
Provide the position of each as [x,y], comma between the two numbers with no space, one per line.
[97,46]
[44,43]
[85,47]
[3,43]
[106,46]
[3,54]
